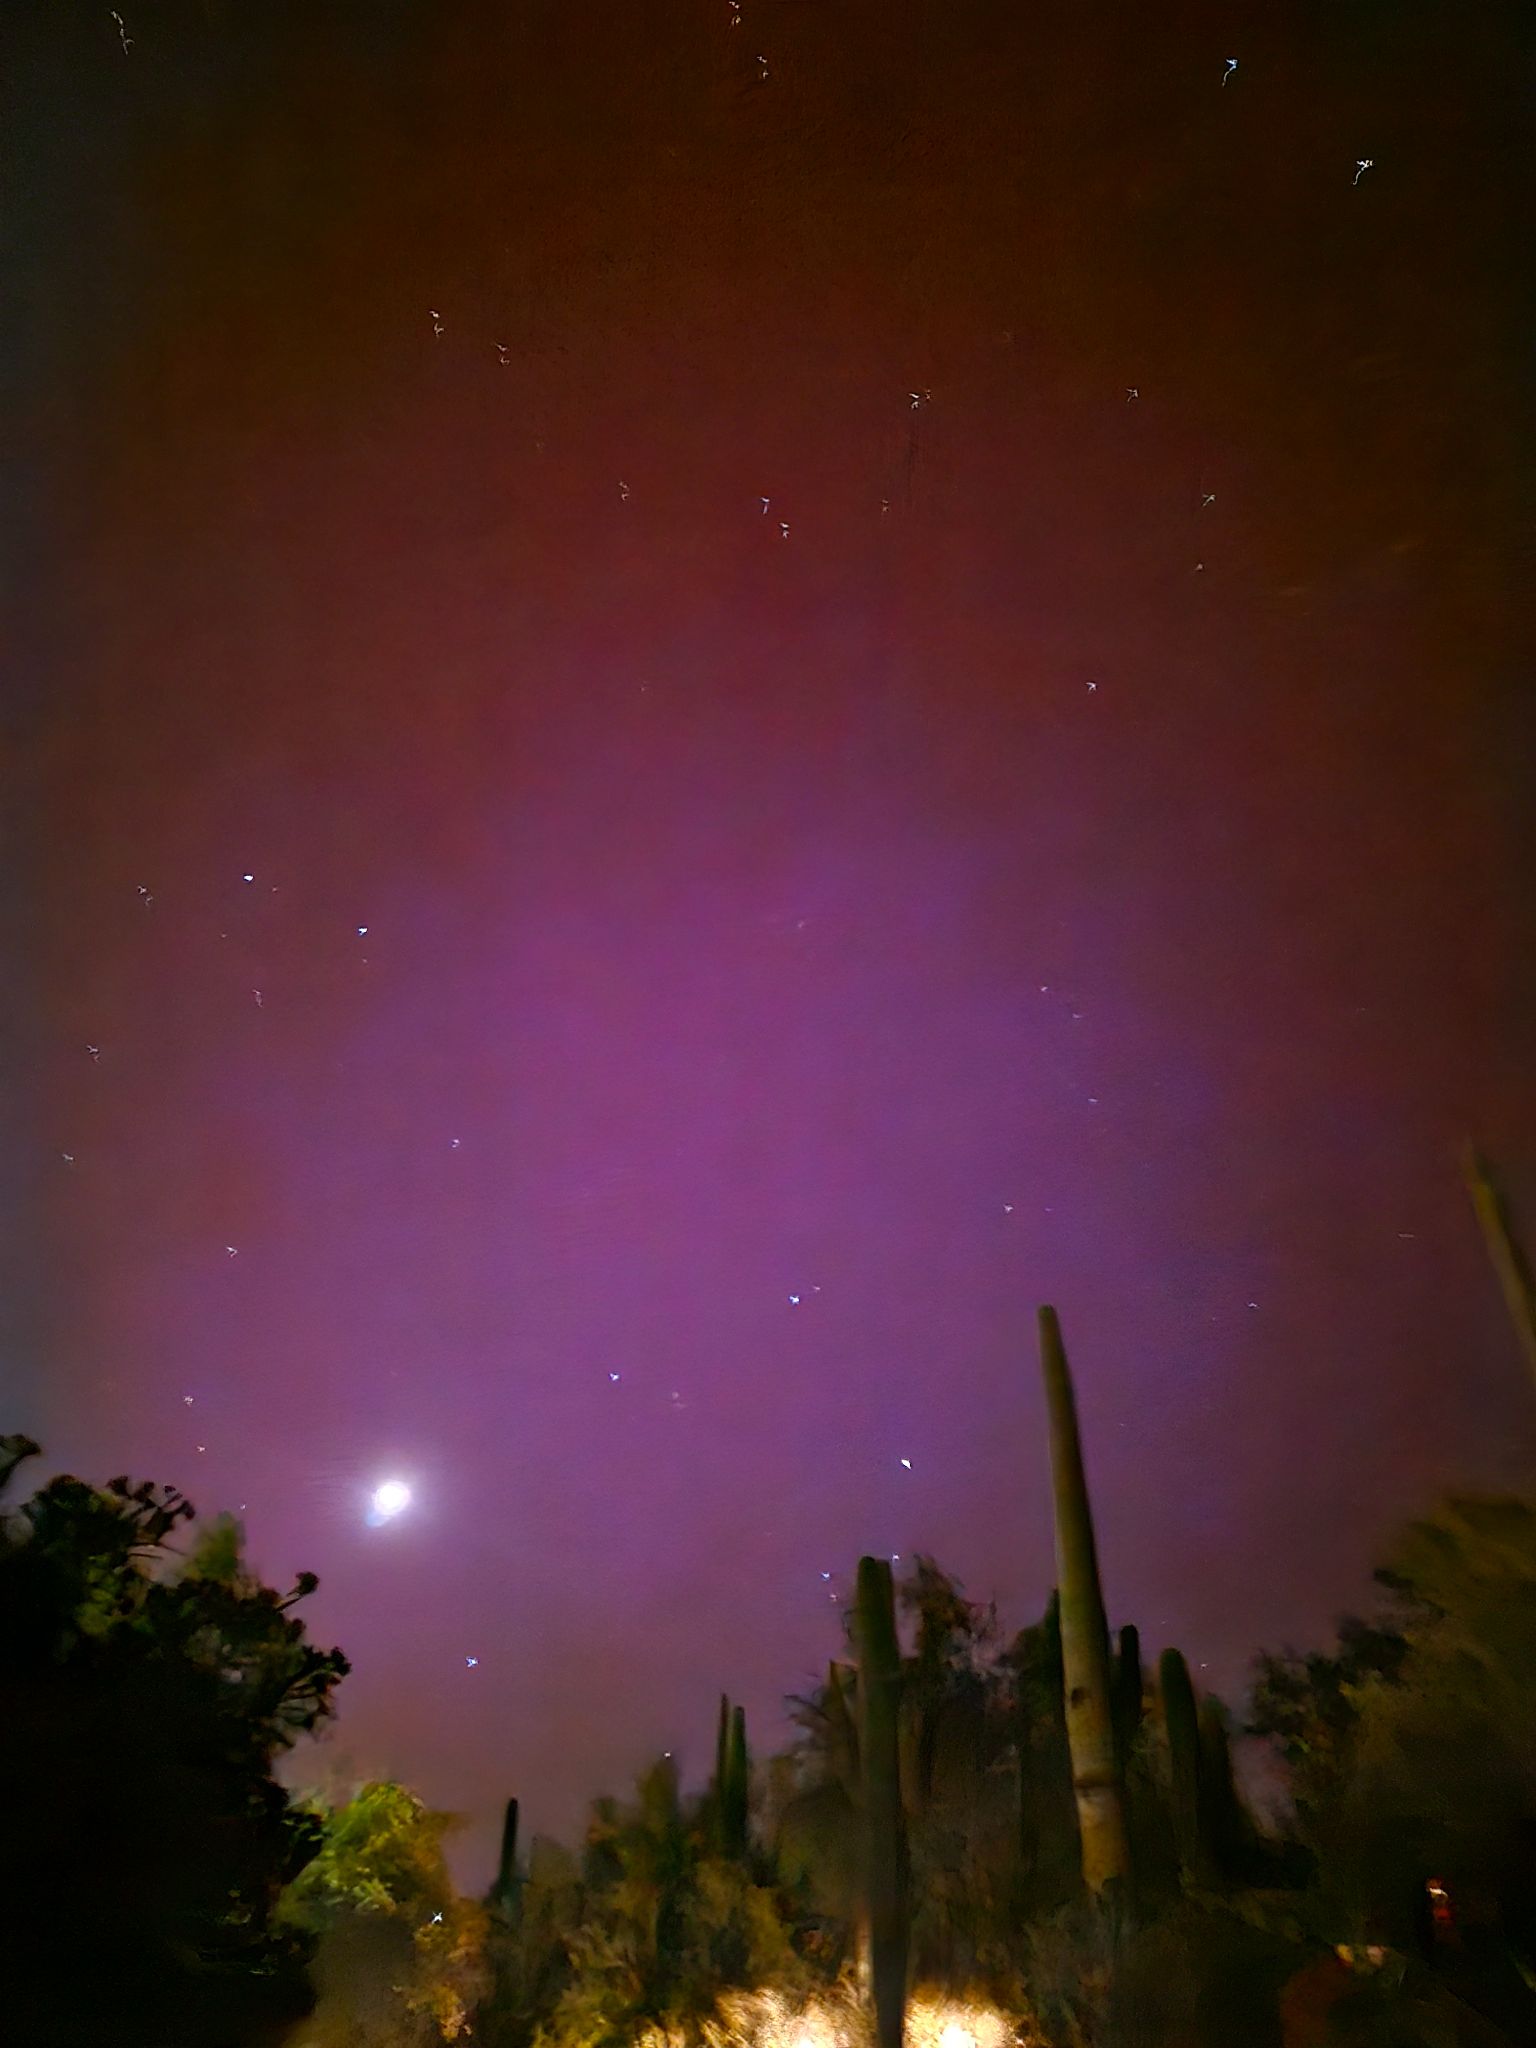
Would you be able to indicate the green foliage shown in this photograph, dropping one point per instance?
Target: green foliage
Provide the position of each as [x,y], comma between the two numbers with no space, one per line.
[1413,1758]
[815,1834]
[958,1786]
[144,1699]
[400,1955]
[658,1928]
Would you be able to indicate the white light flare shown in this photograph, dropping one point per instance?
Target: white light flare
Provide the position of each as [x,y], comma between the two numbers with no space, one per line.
[390,1498]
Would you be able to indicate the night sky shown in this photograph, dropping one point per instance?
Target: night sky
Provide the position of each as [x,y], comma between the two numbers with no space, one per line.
[538,978]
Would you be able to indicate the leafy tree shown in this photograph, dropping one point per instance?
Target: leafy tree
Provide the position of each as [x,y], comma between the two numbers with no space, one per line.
[401,1955]
[958,1782]
[143,1701]
[816,1839]
[1049,1865]
[1413,1755]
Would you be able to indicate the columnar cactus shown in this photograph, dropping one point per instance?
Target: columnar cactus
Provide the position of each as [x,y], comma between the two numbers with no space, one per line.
[1096,1780]
[1128,1685]
[734,1791]
[722,1769]
[1181,1725]
[1508,1255]
[504,1894]
[885,1834]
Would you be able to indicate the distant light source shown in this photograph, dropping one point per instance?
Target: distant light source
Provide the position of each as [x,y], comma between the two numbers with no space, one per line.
[389,1499]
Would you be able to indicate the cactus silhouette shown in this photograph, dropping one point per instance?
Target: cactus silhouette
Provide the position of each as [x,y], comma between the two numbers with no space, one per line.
[1127,1693]
[1507,1253]
[1181,1725]
[1096,1781]
[504,1892]
[734,1793]
[722,1768]
[885,1834]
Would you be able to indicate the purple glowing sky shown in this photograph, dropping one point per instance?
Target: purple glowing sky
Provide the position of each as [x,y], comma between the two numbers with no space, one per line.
[750,917]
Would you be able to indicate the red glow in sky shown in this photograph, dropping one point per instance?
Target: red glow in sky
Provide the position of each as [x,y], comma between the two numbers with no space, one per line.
[682,737]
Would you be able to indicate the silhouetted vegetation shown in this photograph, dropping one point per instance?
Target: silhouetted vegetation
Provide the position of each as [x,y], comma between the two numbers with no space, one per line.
[144,1697]
[971,1838]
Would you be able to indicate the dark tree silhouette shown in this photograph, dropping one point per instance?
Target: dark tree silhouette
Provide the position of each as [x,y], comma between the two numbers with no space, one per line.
[143,1700]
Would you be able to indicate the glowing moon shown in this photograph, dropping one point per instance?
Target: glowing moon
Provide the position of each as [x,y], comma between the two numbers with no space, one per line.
[392,1497]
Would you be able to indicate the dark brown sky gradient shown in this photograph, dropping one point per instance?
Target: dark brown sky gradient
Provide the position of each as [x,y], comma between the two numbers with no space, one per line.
[764,916]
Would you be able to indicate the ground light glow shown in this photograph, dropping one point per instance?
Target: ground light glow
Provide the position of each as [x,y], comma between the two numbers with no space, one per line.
[838,2019]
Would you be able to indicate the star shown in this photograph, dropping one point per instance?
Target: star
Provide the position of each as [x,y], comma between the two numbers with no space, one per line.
[614,1378]
[906,1464]
[1093,686]
[247,878]
[470,1663]
[362,931]
[794,1301]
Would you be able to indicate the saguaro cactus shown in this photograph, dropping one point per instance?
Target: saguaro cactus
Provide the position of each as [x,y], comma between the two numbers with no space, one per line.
[1181,1725]
[1504,1248]
[1096,1782]
[885,1834]
[722,1768]
[734,1792]
[504,1893]
[1224,1824]
[1128,1684]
